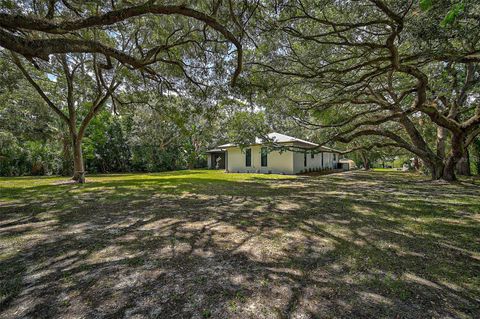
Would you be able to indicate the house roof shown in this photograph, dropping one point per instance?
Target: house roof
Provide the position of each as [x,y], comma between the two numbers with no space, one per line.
[216,150]
[226,145]
[282,138]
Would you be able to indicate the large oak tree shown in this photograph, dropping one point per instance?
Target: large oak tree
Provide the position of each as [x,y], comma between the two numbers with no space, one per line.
[376,68]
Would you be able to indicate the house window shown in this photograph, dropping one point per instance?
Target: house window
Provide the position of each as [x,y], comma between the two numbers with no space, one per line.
[312,155]
[248,157]
[334,156]
[264,153]
[322,159]
[305,159]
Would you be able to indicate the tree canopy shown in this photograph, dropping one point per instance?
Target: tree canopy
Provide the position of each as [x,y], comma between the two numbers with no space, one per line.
[156,32]
[380,69]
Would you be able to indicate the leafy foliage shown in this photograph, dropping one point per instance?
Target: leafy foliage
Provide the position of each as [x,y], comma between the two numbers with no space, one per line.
[425,4]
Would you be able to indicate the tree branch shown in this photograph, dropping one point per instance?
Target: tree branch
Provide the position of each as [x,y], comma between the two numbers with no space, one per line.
[42,48]
[39,90]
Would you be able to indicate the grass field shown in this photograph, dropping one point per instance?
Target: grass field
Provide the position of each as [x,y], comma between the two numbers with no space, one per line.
[205,244]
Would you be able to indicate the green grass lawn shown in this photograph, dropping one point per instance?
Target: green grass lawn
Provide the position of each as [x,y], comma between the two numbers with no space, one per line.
[206,244]
[379,169]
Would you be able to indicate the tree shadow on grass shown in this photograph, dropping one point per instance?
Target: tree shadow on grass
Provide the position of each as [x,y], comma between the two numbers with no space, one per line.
[321,247]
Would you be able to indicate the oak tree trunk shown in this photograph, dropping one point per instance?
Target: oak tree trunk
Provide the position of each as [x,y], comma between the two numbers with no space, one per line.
[463,165]
[367,165]
[78,165]
[456,153]
[441,141]
[366,162]
[434,167]
[449,171]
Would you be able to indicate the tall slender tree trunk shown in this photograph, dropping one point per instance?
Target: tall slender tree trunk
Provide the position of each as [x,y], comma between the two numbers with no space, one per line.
[67,158]
[78,164]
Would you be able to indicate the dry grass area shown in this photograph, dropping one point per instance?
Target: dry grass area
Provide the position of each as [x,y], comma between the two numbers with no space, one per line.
[205,244]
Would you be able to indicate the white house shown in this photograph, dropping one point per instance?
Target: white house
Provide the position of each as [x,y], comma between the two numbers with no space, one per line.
[298,156]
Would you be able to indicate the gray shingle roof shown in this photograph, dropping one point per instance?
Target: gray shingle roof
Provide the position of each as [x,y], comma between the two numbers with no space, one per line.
[281,138]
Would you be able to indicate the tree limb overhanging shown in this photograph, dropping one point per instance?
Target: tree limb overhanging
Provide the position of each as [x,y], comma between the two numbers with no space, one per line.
[35,37]
[363,69]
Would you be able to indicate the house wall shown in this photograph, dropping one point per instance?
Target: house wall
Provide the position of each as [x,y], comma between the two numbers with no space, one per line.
[277,163]
[280,163]
[298,162]
[314,163]
[328,160]
[334,162]
[287,162]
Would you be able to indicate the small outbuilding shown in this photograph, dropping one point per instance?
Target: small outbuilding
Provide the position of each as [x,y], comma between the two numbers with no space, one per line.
[346,164]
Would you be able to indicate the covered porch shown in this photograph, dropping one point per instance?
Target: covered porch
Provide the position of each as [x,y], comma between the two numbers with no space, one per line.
[216,158]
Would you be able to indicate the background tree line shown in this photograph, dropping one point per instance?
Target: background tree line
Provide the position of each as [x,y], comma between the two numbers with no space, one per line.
[161,134]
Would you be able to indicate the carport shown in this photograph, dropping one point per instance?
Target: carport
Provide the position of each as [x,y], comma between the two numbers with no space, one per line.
[216,158]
